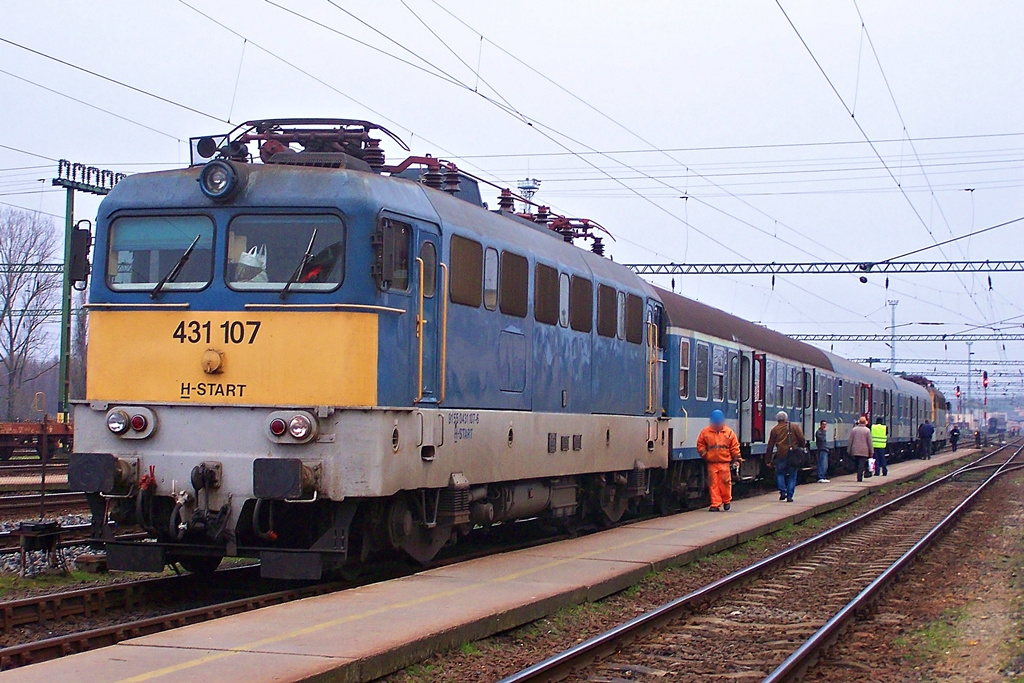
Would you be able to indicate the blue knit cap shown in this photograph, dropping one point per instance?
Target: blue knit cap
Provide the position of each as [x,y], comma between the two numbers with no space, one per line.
[717,418]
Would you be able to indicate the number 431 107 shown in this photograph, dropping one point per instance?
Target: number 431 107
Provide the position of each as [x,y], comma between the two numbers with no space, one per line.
[232,331]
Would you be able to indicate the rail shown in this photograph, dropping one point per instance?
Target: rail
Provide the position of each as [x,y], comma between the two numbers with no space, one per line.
[797,663]
[563,664]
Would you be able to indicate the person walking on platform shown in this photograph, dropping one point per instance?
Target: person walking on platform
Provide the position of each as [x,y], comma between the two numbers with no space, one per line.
[954,437]
[879,441]
[924,434]
[719,447]
[785,437]
[821,446]
[860,446]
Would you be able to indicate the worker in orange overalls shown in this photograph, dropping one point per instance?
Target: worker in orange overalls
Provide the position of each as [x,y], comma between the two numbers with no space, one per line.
[720,448]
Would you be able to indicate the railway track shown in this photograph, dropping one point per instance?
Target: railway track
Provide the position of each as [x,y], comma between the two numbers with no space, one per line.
[23,469]
[773,619]
[30,503]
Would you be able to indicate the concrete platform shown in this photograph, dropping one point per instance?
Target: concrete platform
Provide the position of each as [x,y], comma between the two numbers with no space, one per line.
[367,632]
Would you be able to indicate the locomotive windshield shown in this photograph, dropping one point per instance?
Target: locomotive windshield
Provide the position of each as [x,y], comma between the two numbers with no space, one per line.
[264,252]
[144,249]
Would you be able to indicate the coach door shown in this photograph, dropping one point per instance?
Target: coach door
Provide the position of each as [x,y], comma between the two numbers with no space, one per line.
[746,396]
[807,396]
[429,285]
[655,358]
[756,402]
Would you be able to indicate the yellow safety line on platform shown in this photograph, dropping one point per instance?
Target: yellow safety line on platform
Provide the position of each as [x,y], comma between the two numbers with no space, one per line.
[250,648]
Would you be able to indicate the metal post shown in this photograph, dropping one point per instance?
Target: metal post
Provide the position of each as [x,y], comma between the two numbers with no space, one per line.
[970,379]
[64,391]
[892,340]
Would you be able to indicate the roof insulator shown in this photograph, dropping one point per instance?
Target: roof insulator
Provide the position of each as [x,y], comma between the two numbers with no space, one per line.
[450,182]
[374,155]
[506,202]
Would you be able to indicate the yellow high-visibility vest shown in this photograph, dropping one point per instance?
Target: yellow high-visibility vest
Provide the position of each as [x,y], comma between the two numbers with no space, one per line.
[878,436]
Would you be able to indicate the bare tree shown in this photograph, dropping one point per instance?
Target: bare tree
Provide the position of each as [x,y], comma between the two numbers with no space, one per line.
[25,299]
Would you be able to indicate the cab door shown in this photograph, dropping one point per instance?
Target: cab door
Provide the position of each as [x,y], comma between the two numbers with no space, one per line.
[429,285]
[746,396]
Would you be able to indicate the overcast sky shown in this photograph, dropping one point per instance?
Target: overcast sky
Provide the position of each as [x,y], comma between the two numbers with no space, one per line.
[632,105]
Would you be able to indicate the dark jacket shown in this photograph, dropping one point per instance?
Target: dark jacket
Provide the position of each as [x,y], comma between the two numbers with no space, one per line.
[925,431]
[821,440]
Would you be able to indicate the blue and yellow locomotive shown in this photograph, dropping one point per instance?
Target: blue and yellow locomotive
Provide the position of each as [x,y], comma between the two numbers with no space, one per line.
[320,358]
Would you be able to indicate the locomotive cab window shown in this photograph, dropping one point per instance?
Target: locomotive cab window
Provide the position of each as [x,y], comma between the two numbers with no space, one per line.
[734,376]
[144,249]
[306,253]
[428,254]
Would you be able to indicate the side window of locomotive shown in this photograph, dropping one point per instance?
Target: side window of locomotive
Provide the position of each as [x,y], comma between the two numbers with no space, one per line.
[428,254]
[634,319]
[490,279]
[467,271]
[718,374]
[563,300]
[620,315]
[703,370]
[581,304]
[734,376]
[545,294]
[515,284]
[607,311]
[684,369]
[265,252]
[144,249]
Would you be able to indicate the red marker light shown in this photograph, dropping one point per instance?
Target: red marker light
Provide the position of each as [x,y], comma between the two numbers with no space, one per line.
[278,426]
[139,422]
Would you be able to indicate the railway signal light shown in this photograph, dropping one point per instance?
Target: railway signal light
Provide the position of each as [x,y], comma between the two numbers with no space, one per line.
[958,391]
[984,378]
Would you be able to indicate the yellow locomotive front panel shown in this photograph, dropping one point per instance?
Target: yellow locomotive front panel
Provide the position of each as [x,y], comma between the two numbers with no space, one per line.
[233,357]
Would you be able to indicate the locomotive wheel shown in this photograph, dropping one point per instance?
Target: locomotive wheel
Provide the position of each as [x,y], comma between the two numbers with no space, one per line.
[410,536]
[203,565]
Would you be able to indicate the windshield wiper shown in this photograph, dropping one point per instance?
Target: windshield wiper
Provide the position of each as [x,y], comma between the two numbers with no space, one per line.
[173,273]
[306,258]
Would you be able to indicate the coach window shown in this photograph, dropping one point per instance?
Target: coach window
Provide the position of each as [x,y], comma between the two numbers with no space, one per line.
[545,294]
[606,311]
[703,370]
[828,393]
[581,304]
[684,369]
[563,300]
[781,373]
[718,374]
[798,388]
[490,279]
[268,251]
[769,382]
[734,376]
[515,284]
[635,319]
[467,271]
[144,249]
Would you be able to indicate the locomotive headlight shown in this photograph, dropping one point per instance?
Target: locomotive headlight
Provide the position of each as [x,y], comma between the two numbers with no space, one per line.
[300,427]
[221,180]
[118,422]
